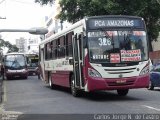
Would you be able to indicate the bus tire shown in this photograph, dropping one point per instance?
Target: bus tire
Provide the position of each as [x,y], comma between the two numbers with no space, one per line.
[75,92]
[122,92]
[38,76]
[151,86]
[51,83]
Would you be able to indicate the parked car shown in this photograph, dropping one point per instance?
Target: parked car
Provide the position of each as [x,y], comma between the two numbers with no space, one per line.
[155,76]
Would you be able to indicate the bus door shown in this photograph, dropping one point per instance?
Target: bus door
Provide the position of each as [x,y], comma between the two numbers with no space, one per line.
[41,60]
[77,60]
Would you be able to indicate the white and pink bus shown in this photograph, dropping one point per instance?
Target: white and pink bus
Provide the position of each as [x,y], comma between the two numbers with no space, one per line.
[98,53]
[15,65]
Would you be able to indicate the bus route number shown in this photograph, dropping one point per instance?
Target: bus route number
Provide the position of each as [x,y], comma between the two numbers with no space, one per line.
[104,41]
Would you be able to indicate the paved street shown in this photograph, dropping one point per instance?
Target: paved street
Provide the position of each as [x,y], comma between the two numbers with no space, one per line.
[32,96]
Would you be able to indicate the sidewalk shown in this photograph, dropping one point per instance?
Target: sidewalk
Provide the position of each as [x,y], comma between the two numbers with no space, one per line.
[1,89]
[1,93]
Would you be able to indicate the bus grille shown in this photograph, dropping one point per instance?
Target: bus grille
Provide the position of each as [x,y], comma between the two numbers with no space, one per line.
[120,71]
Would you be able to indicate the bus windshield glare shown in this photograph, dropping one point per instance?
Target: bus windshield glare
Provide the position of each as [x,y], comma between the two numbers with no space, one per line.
[117,46]
[32,61]
[15,62]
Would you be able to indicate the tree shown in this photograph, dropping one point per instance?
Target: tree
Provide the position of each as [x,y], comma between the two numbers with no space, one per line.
[45,2]
[2,43]
[13,49]
[74,10]
[7,44]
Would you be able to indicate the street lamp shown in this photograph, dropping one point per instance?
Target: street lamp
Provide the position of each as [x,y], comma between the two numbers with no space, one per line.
[36,31]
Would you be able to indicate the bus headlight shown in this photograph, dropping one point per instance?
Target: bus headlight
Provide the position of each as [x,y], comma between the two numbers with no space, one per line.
[144,71]
[93,73]
[24,70]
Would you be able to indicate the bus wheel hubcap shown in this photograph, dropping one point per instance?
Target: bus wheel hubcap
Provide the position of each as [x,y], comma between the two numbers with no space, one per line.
[50,83]
[72,87]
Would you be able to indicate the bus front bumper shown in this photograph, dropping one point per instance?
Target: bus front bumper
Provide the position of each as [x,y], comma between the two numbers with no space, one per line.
[114,84]
[17,73]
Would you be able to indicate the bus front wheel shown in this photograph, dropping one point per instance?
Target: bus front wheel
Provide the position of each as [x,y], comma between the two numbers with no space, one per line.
[122,92]
[74,90]
[151,86]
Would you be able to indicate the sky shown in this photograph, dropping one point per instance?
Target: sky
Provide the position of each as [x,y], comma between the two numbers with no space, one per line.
[21,14]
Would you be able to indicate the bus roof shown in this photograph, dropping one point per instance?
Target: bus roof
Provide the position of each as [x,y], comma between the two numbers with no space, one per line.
[15,53]
[31,54]
[81,22]
[115,16]
[67,30]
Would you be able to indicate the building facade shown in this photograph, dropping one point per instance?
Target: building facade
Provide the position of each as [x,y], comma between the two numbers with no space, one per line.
[33,45]
[52,22]
[155,54]
[21,43]
[29,44]
[156,44]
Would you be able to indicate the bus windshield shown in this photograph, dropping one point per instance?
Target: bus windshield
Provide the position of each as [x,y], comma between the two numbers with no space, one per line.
[15,62]
[32,60]
[117,46]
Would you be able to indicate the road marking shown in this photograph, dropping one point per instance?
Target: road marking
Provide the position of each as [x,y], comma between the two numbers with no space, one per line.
[150,107]
[4,92]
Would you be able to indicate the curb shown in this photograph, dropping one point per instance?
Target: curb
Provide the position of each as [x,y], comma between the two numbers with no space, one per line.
[1,90]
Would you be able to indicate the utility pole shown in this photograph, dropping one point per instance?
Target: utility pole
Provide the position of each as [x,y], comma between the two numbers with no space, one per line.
[36,31]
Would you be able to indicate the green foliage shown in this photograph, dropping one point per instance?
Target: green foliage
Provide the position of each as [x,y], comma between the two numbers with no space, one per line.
[74,10]
[44,2]
[11,48]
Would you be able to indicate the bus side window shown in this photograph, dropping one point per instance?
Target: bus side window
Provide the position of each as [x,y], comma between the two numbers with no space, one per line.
[69,45]
[48,50]
[80,45]
[54,49]
[45,51]
[51,51]
[58,48]
[62,47]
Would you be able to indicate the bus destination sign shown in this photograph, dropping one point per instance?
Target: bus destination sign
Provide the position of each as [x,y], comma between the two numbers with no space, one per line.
[101,23]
